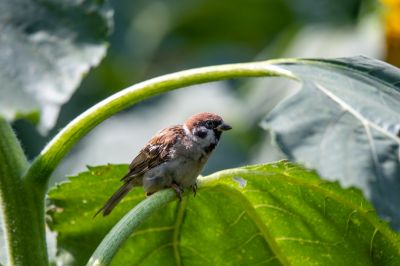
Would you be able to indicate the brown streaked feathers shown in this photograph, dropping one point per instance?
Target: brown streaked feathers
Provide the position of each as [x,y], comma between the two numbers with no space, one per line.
[154,154]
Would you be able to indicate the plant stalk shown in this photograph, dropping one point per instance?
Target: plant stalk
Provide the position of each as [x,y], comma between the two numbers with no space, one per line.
[22,206]
[124,228]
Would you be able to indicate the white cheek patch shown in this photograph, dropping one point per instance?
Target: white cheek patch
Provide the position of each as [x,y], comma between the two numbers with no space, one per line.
[210,138]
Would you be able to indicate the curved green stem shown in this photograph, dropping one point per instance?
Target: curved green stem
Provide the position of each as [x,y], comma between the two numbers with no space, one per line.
[124,228]
[61,144]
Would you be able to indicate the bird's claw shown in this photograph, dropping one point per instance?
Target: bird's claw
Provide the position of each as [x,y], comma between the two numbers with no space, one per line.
[194,189]
[178,190]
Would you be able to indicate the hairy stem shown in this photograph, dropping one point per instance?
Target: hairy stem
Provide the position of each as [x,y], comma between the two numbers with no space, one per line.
[21,205]
[124,228]
[50,157]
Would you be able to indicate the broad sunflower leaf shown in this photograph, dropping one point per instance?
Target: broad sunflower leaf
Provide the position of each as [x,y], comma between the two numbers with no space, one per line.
[271,214]
[345,123]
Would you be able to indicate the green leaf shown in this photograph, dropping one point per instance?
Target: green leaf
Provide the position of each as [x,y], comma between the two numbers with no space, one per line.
[345,123]
[268,214]
[46,48]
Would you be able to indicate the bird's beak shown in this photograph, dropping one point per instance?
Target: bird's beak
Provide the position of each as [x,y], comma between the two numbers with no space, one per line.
[224,127]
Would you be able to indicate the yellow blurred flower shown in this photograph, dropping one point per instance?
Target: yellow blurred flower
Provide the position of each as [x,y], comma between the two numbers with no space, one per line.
[392,30]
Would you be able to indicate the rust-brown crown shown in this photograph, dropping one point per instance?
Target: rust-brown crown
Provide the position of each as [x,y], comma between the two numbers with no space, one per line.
[200,118]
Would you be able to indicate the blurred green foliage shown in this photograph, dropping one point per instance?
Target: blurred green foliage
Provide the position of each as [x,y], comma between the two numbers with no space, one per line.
[157,37]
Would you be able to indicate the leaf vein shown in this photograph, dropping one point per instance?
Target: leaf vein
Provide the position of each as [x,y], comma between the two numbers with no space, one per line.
[274,207]
[306,241]
[177,230]
[152,229]
[263,230]
[371,244]
[348,108]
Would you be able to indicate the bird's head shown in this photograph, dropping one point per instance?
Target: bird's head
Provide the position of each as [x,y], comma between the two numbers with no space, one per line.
[205,128]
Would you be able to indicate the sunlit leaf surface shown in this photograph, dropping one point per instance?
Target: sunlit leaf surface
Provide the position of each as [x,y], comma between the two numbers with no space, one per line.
[345,123]
[45,49]
[267,214]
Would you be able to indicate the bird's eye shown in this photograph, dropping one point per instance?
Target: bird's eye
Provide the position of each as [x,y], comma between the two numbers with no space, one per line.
[209,124]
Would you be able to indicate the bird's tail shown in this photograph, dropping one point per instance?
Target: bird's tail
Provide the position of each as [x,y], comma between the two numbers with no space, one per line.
[115,199]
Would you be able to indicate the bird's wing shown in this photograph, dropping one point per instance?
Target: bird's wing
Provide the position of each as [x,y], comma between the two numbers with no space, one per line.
[156,152]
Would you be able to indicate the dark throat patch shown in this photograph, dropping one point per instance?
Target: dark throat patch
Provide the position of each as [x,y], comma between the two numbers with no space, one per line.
[210,148]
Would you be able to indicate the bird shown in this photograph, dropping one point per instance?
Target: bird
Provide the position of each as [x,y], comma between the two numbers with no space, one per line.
[173,158]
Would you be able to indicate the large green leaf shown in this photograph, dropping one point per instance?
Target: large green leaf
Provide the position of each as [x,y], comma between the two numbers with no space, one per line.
[266,214]
[345,123]
[45,48]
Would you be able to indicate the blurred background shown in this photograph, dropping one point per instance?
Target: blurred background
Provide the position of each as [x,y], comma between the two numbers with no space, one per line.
[152,38]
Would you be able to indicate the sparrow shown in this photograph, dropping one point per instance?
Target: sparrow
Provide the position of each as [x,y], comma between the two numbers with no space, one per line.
[173,158]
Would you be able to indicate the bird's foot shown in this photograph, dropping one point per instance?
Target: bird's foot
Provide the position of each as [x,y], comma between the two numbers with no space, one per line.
[194,189]
[178,190]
